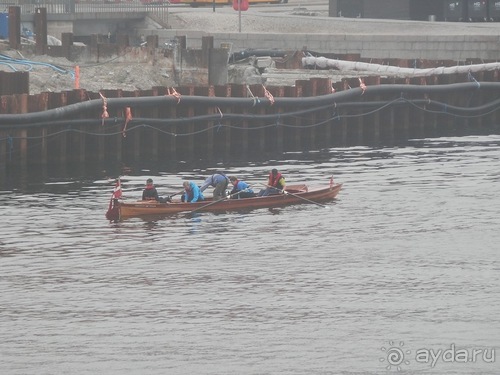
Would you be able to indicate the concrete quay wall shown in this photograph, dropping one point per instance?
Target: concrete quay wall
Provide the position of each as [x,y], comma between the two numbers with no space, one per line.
[436,47]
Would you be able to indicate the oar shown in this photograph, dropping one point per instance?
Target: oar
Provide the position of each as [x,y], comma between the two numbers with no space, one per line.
[297,196]
[168,199]
[218,201]
[182,191]
[305,199]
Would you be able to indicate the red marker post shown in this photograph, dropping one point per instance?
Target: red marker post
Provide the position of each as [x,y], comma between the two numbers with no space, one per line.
[240,5]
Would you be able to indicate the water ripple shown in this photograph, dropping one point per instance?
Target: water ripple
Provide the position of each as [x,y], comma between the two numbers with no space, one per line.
[408,252]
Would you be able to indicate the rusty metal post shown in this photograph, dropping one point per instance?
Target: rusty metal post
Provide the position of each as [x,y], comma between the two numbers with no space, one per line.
[14,83]
[300,86]
[67,43]
[41,30]
[257,91]
[3,149]
[279,92]
[496,118]
[191,129]
[207,43]
[15,27]
[206,140]
[237,139]
[154,135]
[373,121]
[152,42]
[324,131]
[4,136]
[41,103]
[433,120]
[78,96]
[181,40]
[19,105]
[138,134]
[94,47]
[402,117]
[172,145]
[315,87]
[22,100]
[59,100]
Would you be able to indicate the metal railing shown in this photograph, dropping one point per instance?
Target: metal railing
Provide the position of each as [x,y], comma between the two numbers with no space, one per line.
[158,7]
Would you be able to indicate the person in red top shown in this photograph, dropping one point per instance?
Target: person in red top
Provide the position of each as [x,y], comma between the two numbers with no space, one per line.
[275,185]
[150,193]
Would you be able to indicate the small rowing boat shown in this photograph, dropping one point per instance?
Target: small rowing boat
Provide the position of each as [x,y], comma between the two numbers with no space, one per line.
[293,194]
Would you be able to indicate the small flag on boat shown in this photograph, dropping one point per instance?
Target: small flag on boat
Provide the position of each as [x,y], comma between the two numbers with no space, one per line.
[117,192]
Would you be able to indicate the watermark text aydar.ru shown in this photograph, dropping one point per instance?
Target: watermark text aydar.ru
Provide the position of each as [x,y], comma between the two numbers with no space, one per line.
[453,354]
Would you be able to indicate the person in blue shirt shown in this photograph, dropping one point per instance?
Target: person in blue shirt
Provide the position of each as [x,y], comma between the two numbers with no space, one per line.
[219,181]
[192,192]
[240,189]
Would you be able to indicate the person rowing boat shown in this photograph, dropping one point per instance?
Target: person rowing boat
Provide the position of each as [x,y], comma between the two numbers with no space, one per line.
[219,181]
[150,193]
[192,192]
[240,189]
[275,184]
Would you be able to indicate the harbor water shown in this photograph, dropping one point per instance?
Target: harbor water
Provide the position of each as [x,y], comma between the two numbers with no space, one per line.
[400,274]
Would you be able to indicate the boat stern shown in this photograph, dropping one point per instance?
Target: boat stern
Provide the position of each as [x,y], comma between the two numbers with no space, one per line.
[113,213]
